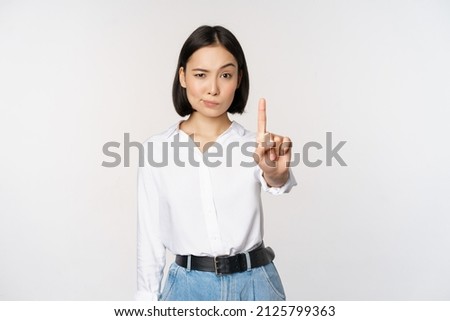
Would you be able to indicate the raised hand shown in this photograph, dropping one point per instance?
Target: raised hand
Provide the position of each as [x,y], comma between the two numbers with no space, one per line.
[273,152]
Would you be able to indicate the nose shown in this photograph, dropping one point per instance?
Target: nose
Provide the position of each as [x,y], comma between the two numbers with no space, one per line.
[213,88]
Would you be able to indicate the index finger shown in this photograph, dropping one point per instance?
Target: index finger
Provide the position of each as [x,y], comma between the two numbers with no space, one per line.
[262,116]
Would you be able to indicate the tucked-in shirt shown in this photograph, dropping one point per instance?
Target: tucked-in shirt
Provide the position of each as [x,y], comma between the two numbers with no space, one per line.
[205,204]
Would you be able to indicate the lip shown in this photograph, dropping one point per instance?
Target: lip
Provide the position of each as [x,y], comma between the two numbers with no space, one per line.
[209,103]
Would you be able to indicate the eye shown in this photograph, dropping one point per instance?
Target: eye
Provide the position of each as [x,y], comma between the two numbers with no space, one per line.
[200,75]
[227,75]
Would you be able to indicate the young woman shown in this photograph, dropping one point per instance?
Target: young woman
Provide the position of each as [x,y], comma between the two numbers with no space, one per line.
[200,195]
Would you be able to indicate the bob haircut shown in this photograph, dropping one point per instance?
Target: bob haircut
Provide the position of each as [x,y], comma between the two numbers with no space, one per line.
[202,37]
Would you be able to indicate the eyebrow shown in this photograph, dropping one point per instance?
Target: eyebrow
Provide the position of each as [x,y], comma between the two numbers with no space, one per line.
[224,66]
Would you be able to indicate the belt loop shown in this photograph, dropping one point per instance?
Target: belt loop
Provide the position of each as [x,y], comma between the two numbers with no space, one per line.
[249,263]
[188,265]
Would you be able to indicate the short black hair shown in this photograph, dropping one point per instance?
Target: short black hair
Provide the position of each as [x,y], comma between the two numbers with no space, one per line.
[205,36]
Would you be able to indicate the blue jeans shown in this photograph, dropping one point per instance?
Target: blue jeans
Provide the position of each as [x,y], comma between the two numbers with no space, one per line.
[258,284]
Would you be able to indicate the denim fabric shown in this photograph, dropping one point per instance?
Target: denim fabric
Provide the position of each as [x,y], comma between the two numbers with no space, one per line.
[258,284]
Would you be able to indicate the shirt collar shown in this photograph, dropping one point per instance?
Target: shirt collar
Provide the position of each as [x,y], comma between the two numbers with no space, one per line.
[234,127]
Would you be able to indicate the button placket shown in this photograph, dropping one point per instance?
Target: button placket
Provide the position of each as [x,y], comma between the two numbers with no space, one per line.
[209,209]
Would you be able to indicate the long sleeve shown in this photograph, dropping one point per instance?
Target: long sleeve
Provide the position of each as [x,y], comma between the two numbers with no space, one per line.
[291,182]
[150,250]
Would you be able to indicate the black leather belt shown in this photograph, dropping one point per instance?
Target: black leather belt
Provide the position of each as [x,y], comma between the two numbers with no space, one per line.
[228,264]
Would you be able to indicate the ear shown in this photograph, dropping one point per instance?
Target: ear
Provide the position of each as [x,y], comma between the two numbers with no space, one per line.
[182,77]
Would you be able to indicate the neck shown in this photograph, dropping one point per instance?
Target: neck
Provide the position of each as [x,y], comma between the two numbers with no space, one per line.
[207,126]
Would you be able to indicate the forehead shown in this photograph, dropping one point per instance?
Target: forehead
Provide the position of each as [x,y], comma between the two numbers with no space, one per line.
[213,56]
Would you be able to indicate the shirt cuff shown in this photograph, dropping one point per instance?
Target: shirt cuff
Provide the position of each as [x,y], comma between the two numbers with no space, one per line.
[291,182]
[146,296]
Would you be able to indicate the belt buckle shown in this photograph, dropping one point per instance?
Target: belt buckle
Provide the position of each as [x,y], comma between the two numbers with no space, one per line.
[216,262]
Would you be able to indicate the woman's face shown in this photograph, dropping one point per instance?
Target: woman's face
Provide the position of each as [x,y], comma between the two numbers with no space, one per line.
[211,78]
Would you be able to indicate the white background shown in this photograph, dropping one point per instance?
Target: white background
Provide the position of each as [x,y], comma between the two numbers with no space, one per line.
[77,74]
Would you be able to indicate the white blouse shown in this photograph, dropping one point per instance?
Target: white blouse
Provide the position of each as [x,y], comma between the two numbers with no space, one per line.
[210,206]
